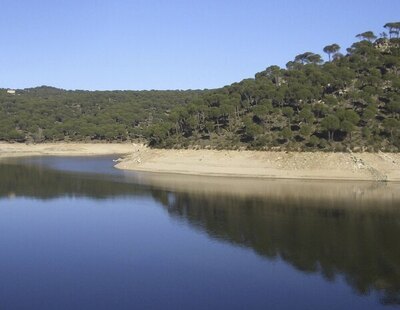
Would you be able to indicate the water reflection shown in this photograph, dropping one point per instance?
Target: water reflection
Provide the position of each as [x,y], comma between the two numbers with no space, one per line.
[31,179]
[331,228]
[361,244]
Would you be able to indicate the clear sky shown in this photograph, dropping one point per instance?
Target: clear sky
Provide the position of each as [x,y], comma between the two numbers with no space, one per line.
[170,44]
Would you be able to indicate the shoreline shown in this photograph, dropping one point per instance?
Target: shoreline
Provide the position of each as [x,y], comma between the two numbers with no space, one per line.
[13,150]
[266,165]
[235,164]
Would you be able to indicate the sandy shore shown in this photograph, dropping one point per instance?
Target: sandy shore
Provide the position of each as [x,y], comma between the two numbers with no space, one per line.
[274,165]
[64,149]
[293,165]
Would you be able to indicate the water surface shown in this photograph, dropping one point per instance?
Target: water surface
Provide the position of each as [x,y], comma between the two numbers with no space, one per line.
[77,234]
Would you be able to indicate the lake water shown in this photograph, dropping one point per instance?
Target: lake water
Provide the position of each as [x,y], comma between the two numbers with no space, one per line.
[75,233]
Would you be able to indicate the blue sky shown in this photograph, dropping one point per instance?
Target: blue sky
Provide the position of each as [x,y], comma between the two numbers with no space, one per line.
[171,44]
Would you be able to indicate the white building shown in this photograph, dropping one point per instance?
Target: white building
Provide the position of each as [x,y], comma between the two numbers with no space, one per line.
[11,91]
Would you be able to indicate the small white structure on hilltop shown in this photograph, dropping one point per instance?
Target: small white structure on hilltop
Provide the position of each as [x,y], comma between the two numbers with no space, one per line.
[11,91]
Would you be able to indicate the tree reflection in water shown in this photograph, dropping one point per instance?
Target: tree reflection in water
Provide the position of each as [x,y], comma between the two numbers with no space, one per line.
[354,236]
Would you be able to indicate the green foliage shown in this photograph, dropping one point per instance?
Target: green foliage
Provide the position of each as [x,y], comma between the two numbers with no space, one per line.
[394,29]
[50,114]
[368,35]
[332,49]
[286,133]
[305,130]
[348,115]
[252,129]
[306,115]
[288,112]
[391,125]
[331,123]
[313,141]
[347,126]
[308,58]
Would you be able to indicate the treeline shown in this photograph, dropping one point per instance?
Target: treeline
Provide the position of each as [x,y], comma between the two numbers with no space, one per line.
[351,101]
[49,114]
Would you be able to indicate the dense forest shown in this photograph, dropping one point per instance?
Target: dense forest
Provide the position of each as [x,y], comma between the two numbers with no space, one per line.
[350,101]
[49,114]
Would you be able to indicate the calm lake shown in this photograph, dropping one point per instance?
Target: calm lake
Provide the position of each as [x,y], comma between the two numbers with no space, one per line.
[75,233]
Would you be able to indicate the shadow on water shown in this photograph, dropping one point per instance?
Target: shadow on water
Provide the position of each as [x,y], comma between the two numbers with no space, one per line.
[331,228]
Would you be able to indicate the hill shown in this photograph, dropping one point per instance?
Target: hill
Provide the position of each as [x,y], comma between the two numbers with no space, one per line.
[351,101]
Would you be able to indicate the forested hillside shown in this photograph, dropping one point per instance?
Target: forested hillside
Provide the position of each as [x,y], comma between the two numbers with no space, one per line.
[50,114]
[350,101]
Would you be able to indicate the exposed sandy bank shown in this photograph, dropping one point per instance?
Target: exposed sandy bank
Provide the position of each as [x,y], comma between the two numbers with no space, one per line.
[64,149]
[293,165]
